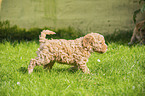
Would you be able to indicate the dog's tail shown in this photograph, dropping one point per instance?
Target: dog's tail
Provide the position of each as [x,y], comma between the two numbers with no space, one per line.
[43,35]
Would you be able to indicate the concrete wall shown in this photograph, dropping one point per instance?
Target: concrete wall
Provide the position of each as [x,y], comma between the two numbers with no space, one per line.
[104,16]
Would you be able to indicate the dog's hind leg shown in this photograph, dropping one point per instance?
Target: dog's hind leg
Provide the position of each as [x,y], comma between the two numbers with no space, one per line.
[33,63]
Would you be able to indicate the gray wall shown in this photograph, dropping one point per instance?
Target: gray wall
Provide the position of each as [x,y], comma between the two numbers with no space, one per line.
[103,16]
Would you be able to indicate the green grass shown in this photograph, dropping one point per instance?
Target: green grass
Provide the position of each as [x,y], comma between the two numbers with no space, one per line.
[120,71]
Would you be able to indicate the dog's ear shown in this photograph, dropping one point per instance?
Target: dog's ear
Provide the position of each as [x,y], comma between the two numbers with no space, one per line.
[88,40]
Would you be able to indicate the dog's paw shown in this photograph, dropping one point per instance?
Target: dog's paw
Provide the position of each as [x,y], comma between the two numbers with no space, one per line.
[30,71]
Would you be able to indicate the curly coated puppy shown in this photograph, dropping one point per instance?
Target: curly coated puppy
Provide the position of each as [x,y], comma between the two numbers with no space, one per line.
[72,52]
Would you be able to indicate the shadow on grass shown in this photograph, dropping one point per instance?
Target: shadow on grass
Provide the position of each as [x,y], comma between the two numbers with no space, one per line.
[120,37]
[14,33]
[23,70]
[65,70]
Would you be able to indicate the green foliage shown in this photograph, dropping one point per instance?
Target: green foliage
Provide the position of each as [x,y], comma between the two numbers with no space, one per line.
[142,9]
[141,1]
[15,33]
[119,36]
[135,14]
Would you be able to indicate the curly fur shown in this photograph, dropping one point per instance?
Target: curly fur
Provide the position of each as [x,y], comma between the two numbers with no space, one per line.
[73,52]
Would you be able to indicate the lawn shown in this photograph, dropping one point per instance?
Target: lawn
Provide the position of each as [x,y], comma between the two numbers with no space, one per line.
[119,71]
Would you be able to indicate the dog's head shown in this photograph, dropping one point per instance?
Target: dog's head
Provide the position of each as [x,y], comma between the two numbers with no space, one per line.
[95,42]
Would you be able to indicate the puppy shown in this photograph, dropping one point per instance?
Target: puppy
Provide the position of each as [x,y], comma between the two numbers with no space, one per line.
[72,52]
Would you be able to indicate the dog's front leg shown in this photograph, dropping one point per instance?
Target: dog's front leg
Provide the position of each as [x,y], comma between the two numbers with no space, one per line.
[82,65]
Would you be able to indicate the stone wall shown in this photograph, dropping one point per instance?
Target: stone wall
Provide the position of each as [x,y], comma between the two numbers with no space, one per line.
[103,16]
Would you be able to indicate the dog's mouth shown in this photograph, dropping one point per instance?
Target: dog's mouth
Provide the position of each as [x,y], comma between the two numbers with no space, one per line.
[103,50]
